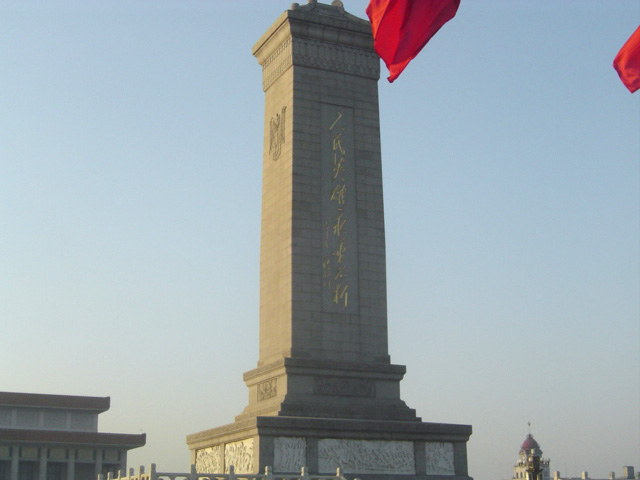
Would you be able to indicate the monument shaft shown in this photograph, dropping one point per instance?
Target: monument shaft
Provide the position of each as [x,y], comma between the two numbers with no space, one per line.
[323,317]
[324,393]
[323,280]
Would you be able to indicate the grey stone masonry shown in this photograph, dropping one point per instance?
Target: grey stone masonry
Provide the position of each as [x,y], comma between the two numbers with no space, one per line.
[324,393]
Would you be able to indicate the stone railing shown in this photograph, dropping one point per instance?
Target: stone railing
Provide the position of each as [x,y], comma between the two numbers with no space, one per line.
[153,474]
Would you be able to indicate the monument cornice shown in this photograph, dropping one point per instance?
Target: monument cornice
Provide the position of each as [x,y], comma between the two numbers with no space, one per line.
[309,37]
[302,364]
[344,428]
[245,428]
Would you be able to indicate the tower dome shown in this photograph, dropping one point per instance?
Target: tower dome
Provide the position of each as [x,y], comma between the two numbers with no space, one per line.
[530,444]
[531,465]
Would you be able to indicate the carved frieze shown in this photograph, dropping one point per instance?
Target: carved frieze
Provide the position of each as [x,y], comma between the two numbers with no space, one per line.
[338,58]
[366,456]
[308,52]
[353,387]
[289,454]
[277,63]
[209,460]
[267,389]
[240,455]
[439,456]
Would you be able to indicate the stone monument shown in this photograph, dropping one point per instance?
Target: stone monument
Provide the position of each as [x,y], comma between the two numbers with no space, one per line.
[325,393]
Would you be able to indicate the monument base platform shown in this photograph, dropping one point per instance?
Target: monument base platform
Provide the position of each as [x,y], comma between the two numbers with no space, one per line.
[367,449]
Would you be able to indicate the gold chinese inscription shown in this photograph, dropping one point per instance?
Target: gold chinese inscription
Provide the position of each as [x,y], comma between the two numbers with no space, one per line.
[339,219]
[337,229]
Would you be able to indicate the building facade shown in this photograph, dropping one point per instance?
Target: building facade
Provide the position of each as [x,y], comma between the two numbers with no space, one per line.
[55,437]
[627,474]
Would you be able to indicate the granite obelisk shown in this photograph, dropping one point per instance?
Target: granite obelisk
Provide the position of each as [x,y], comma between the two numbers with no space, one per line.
[325,393]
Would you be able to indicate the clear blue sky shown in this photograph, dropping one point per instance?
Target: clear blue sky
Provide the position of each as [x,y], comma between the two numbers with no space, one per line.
[130,170]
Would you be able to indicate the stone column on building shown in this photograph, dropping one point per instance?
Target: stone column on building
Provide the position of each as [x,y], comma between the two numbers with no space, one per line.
[42,472]
[324,392]
[98,464]
[15,462]
[123,462]
[71,464]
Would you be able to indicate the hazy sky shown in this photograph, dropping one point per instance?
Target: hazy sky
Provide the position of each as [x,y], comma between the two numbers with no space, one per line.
[130,170]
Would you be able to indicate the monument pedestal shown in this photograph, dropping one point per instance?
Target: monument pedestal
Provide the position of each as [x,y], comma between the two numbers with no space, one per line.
[371,449]
[325,394]
[300,387]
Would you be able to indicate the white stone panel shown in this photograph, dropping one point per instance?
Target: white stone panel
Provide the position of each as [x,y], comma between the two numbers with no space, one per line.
[366,456]
[5,416]
[289,454]
[240,455]
[209,460]
[84,422]
[439,457]
[28,418]
[55,420]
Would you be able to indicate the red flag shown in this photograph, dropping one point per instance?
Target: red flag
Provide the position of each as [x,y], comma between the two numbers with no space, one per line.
[627,62]
[402,27]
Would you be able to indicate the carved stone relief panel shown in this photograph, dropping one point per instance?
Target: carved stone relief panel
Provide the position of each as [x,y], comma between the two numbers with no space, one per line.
[289,454]
[366,456]
[209,460]
[240,455]
[439,457]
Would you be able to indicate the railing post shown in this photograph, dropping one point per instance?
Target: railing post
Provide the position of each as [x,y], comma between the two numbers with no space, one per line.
[232,473]
[304,473]
[152,472]
[109,475]
[193,475]
[268,474]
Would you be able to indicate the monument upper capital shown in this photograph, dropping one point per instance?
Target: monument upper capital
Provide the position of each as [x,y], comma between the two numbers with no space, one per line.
[316,21]
[320,36]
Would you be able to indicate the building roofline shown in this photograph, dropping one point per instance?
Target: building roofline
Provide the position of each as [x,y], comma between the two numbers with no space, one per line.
[17,399]
[53,437]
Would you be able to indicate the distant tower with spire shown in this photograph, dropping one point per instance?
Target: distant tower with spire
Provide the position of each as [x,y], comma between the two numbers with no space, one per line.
[530,464]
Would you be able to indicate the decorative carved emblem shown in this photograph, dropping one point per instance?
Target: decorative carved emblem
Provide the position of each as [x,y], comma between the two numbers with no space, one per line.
[276,133]
[267,389]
